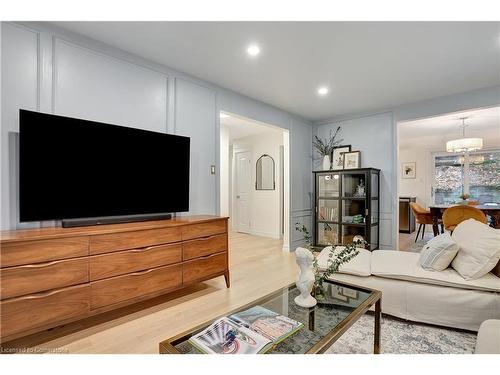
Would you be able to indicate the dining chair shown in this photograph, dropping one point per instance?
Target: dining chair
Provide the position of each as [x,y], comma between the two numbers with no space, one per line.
[422,217]
[455,215]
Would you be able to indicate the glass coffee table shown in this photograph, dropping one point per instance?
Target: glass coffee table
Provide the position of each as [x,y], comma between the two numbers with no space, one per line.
[324,324]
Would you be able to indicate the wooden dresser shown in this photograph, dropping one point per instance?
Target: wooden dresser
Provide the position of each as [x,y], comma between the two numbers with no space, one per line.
[52,276]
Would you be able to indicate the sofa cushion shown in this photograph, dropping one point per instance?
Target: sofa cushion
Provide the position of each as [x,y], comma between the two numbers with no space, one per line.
[404,265]
[359,265]
[479,249]
[438,253]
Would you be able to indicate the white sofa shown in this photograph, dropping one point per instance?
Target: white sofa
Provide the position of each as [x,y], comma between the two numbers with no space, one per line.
[410,292]
[488,338]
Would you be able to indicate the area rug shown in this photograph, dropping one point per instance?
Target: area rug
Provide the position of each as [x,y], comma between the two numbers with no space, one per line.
[402,337]
[417,247]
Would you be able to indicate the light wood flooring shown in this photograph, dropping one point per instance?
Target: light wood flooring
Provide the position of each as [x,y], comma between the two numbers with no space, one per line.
[258,266]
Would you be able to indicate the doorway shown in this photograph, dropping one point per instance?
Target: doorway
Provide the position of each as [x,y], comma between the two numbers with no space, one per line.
[430,174]
[254,178]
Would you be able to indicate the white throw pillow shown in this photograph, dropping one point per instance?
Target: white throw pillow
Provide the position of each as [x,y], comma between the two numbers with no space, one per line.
[438,253]
[479,249]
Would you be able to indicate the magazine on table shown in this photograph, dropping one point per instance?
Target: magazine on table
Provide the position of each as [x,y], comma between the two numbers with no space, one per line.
[252,331]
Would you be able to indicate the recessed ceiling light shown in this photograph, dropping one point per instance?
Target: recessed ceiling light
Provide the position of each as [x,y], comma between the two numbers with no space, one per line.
[323,90]
[253,50]
[223,115]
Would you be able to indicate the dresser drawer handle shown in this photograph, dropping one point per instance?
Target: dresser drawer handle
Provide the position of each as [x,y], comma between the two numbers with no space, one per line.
[144,249]
[208,256]
[140,272]
[208,237]
[40,265]
[42,295]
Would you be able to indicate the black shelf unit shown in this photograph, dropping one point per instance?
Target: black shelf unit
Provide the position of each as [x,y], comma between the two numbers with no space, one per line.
[336,200]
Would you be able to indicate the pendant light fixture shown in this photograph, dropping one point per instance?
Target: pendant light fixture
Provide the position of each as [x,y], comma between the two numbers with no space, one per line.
[464,144]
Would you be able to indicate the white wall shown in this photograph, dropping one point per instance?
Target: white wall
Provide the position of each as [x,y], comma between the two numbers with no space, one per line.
[265,204]
[420,186]
[49,69]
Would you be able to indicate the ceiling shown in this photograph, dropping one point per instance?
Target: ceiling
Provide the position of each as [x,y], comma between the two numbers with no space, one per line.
[366,65]
[239,127]
[432,133]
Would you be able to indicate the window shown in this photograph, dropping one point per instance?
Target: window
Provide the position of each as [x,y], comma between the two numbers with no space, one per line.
[480,177]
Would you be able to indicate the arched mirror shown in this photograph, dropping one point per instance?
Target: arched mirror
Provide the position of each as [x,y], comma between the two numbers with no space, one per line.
[265,173]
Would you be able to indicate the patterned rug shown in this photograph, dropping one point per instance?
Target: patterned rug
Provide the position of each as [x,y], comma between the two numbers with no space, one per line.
[401,337]
[416,247]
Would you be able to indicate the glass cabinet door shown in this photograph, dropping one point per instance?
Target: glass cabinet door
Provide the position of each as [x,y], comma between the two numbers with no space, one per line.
[350,231]
[374,185]
[353,211]
[328,210]
[354,185]
[328,234]
[328,185]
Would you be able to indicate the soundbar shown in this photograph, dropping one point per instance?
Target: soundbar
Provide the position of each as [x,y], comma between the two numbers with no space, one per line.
[88,221]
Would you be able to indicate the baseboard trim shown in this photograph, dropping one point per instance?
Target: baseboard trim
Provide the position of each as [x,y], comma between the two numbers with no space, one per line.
[266,234]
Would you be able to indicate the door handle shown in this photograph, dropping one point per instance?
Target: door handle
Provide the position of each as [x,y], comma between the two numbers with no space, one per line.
[237,197]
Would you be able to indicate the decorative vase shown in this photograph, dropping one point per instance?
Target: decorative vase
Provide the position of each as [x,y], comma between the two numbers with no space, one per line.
[305,279]
[326,163]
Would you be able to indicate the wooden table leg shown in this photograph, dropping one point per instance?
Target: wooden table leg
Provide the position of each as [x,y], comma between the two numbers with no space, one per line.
[228,280]
[376,336]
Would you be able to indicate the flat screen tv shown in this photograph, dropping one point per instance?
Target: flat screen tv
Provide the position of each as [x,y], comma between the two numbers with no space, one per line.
[75,169]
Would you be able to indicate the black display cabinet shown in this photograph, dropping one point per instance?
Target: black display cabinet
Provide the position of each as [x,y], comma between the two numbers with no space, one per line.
[347,204]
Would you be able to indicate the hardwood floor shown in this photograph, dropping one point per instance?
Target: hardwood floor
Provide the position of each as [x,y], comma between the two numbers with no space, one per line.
[258,266]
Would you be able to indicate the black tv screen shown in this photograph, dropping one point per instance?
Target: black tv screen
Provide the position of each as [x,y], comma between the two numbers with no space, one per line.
[71,168]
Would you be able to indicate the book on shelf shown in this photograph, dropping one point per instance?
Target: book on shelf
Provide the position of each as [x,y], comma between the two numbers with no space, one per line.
[252,331]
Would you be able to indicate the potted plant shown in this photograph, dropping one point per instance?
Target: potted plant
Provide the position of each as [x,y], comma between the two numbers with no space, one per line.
[324,147]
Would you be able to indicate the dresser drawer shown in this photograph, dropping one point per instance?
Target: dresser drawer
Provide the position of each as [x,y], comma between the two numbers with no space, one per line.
[123,262]
[37,310]
[105,243]
[121,288]
[33,278]
[28,252]
[203,230]
[203,268]
[204,246]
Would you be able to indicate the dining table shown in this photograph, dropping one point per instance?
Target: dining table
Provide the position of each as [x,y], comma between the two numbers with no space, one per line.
[491,210]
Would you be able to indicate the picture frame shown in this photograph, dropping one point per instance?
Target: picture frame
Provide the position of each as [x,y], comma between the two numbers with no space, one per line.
[338,158]
[409,170]
[352,159]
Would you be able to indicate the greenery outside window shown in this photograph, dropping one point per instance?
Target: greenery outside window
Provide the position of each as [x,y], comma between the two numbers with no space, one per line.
[477,174]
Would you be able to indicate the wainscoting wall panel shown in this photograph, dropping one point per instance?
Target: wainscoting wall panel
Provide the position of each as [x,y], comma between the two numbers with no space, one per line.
[302,217]
[195,117]
[20,89]
[98,87]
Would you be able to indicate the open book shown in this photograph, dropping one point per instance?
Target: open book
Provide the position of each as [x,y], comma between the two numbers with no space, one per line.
[252,331]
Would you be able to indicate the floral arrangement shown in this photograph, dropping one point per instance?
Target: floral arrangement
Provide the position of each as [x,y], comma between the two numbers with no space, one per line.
[326,146]
[335,260]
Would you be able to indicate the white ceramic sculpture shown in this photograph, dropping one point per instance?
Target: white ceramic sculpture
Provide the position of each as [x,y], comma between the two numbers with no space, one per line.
[305,280]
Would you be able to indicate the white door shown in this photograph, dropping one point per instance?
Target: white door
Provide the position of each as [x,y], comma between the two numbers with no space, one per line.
[242,191]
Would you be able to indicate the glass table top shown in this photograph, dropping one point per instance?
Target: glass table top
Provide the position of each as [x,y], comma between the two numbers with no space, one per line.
[321,323]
